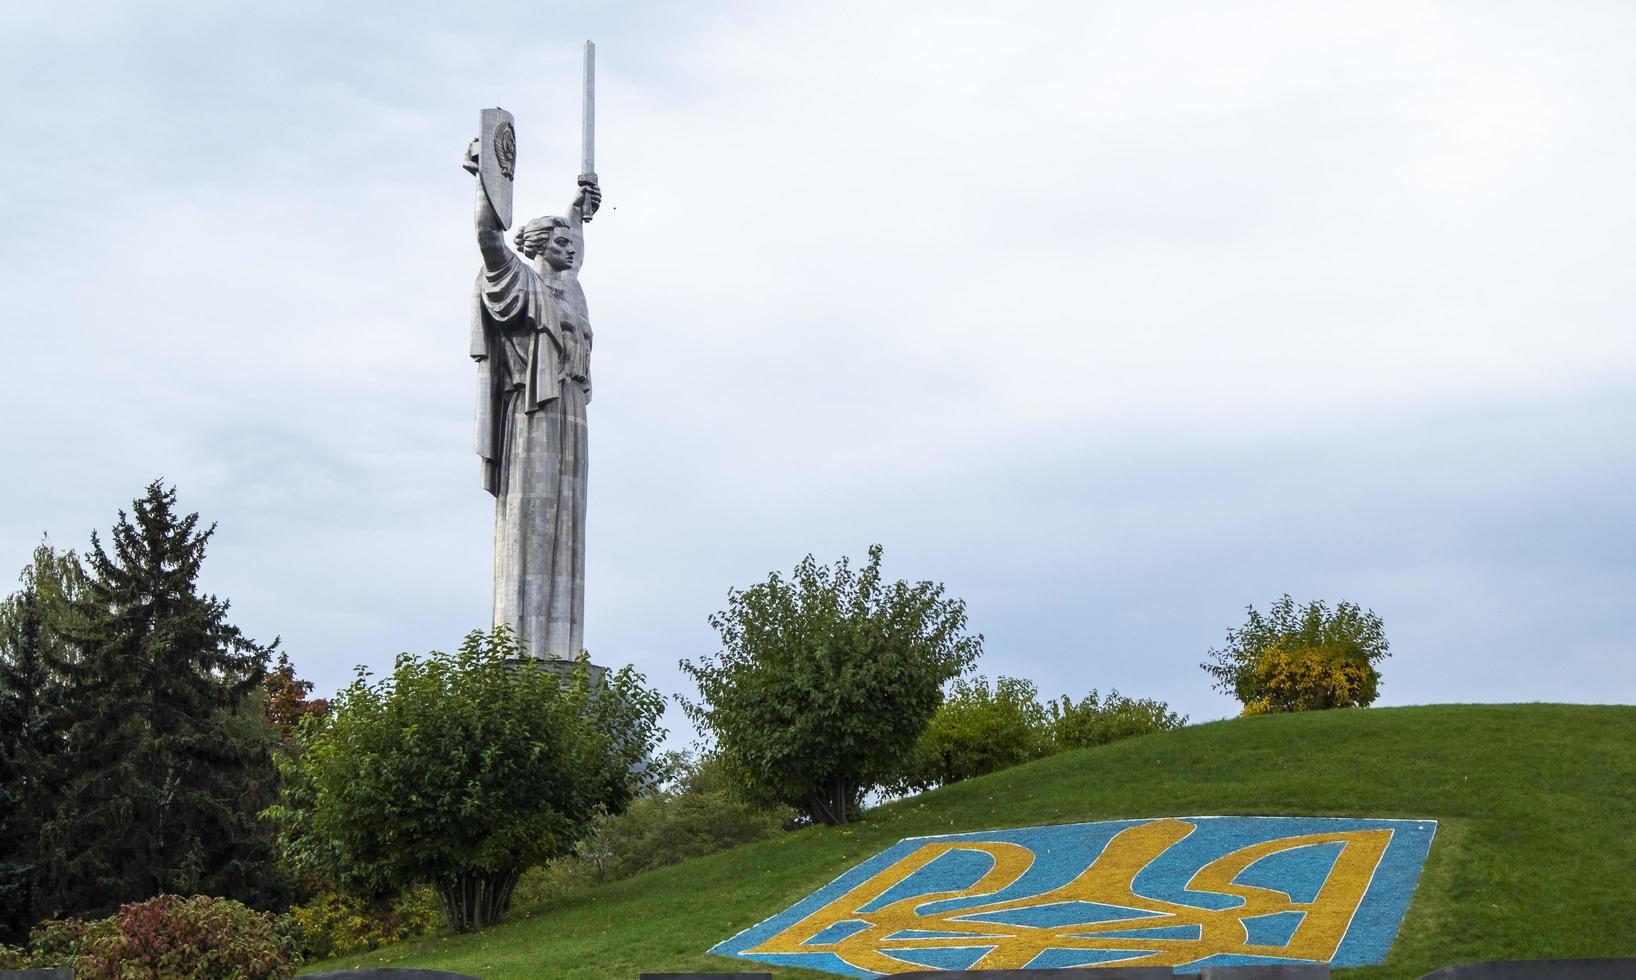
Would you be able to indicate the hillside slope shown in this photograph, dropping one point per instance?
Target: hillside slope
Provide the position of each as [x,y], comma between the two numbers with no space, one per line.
[1535,854]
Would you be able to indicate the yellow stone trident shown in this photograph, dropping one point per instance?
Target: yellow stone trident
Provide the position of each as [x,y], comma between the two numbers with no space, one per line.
[1108,881]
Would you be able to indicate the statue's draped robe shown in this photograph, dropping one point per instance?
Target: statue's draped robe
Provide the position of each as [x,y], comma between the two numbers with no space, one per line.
[531,339]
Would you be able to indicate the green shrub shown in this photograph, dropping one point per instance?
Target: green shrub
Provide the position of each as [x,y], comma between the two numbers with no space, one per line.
[1096,720]
[977,730]
[1299,658]
[336,924]
[701,815]
[173,938]
[57,942]
[664,830]
[550,882]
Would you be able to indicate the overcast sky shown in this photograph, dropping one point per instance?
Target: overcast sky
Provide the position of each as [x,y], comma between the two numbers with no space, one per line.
[1113,317]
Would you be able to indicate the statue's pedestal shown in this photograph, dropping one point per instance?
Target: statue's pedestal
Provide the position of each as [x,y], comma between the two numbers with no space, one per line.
[564,669]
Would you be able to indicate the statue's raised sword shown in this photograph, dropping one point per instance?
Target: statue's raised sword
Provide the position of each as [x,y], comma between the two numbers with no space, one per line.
[587,125]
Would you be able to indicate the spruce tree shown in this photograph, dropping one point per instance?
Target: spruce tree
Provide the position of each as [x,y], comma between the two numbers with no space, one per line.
[162,772]
[32,661]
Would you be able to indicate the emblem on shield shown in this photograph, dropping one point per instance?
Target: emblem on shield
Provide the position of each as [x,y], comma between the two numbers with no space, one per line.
[505,149]
[497,160]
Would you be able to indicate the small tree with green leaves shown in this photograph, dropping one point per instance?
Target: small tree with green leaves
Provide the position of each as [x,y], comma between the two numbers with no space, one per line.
[32,722]
[979,730]
[462,771]
[1098,720]
[1298,658]
[825,680]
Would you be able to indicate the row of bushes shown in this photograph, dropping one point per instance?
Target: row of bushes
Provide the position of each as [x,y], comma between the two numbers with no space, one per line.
[697,812]
[978,729]
[981,729]
[203,937]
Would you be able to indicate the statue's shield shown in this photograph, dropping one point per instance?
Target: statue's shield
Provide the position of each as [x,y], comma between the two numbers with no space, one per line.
[497,161]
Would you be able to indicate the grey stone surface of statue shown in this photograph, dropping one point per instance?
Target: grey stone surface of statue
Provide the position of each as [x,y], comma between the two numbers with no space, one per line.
[531,340]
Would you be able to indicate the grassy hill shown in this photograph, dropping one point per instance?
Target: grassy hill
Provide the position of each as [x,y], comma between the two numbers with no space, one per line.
[1534,857]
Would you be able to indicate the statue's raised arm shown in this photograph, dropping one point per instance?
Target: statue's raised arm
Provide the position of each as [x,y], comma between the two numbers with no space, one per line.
[585,204]
[491,233]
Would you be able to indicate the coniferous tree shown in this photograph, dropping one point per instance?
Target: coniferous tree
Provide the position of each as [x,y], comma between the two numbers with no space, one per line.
[32,662]
[166,759]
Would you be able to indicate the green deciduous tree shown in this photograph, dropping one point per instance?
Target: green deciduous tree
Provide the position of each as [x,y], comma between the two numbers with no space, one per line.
[32,659]
[979,730]
[462,771]
[1098,720]
[825,681]
[161,769]
[1301,657]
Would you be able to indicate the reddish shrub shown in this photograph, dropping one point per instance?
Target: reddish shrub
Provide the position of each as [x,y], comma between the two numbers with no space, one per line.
[172,938]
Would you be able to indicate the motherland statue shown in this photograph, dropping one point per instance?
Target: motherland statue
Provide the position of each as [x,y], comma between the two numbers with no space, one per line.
[531,339]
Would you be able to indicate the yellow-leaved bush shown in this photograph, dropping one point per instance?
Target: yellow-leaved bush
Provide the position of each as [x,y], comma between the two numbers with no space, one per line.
[1299,657]
[1307,679]
[335,924]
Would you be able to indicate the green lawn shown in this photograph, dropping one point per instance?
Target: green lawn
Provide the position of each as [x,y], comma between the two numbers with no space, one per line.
[1535,854]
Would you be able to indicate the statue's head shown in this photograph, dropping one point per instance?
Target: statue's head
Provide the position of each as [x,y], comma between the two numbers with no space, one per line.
[548,238]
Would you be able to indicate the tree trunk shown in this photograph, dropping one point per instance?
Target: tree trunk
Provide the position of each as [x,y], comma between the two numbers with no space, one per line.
[831,805]
[476,900]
